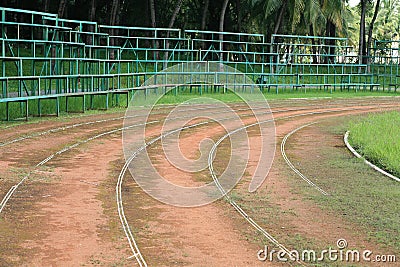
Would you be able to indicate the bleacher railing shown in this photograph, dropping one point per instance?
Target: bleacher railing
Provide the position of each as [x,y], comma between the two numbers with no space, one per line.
[42,54]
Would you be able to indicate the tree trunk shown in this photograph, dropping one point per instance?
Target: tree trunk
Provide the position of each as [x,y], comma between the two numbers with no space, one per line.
[371,27]
[204,17]
[152,13]
[313,47]
[282,10]
[119,13]
[61,11]
[113,19]
[175,14]
[221,27]
[61,8]
[170,25]
[239,15]
[361,46]
[92,17]
[330,43]
[92,14]
[204,20]
[46,6]
[239,57]
[280,16]
[154,25]
[113,14]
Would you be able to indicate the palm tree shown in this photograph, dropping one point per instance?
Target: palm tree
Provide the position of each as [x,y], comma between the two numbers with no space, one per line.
[113,20]
[334,12]
[204,20]
[363,50]
[114,9]
[291,11]
[269,8]
[204,17]
[92,16]
[361,46]
[46,6]
[239,15]
[153,24]
[282,10]
[221,25]
[152,13]
[371,27]
[61,8]
[387,25]
[170,25]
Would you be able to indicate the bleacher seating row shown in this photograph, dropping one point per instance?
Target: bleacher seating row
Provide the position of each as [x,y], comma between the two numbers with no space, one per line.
[42,55]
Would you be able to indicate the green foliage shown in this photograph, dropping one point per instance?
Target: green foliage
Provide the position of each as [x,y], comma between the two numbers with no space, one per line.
[388,21]
[387,25]
[304,17]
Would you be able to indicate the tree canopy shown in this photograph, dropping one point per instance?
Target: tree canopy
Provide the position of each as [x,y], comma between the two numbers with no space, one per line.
[302,17]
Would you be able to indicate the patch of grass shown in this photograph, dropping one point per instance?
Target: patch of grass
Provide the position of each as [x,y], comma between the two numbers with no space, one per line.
[377,138]
[107,196]
[20,223]
[230,96]
[365,199]
[17,110]
[64,117]
[323,94]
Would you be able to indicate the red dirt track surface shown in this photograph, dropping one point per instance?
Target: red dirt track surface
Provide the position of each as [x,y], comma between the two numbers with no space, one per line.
[65,212]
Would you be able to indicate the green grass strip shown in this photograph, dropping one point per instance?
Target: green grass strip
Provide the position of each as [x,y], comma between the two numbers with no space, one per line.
[377,138]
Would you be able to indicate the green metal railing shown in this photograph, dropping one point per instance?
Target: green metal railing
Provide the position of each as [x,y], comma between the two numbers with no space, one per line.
[52,56]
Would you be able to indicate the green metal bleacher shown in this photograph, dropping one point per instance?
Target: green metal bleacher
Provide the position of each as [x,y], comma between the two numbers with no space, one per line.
[47,57]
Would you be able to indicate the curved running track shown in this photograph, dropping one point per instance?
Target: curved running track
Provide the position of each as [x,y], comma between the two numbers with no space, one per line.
[101,128]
